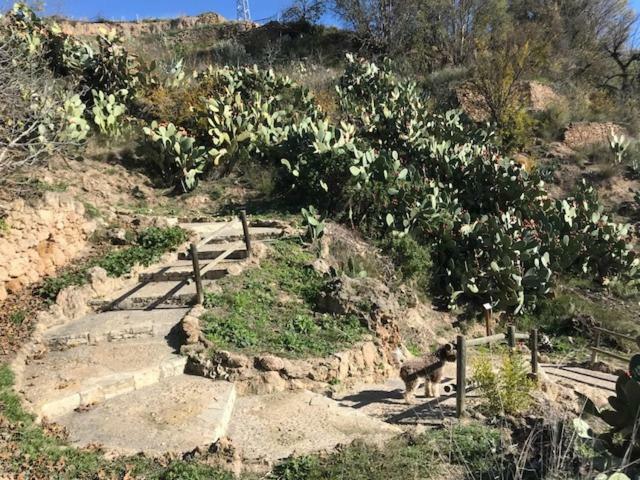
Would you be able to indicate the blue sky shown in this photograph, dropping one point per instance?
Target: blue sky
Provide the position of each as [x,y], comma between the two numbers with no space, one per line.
[132,9]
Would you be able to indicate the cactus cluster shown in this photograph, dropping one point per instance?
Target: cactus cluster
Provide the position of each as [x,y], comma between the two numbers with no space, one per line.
[395,168]
[109,112]
[176,155]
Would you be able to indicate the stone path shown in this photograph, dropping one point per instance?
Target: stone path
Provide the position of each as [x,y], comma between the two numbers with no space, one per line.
[115,378]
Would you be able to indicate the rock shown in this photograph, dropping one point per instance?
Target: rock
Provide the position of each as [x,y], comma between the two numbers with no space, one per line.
[270,363]
[232,360]
[100,281]
[3,293]
[117,236]
[13,286]
[73,301]
[191,329]
[321,266]
[369,354]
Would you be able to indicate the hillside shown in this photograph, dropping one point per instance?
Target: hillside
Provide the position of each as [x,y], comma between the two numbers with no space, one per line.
[236,250]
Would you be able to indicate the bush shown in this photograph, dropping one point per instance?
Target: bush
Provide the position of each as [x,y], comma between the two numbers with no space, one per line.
[175,155]
[506,391]
[552,122]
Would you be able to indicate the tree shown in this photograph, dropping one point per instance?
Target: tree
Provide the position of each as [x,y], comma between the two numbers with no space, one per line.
[305,11]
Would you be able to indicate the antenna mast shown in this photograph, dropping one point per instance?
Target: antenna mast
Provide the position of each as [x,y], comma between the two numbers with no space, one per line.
[244,14]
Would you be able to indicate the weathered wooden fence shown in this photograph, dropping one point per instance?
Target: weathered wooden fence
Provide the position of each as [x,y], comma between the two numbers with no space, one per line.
[597,339]
[198,272]
[461,357]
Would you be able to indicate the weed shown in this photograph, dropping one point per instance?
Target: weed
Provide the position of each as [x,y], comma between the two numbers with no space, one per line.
[91,211]
[18,317]
[4,227]
[272,309]
[42,186]
[507,390]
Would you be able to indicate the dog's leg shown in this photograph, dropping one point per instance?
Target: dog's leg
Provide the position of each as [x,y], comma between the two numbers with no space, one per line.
[428,390]
[410,386]
[435,389]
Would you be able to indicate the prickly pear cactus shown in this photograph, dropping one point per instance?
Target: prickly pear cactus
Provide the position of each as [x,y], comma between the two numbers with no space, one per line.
[624,415]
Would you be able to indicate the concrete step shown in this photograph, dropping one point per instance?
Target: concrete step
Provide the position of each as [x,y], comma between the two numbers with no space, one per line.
[231,231]
[61,381]
[213,251]
[156,295]
[183,270]
[175,415]
[273,427]
[113,326]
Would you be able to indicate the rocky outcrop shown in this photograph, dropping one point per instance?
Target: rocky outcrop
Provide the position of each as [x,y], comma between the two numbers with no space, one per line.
[584,134]
[142,27]
[39,239]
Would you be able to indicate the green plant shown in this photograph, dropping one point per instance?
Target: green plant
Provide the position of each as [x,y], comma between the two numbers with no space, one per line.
[314,223]
[91,211]
[18,317]
[4,227]
[623,418]
[272,309]
[619,146]
[175,154]
[108,112]
[507,390]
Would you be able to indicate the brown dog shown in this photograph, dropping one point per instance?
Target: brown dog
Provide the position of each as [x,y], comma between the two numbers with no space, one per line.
[428,367]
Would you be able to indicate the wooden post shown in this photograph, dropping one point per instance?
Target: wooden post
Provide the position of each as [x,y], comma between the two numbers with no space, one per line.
[594,353]
[511,336]
[196,273]
[487,318]
[245,229]
[533,338]
[461,375]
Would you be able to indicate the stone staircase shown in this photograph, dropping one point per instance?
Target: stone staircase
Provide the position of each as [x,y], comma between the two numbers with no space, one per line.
[116,377]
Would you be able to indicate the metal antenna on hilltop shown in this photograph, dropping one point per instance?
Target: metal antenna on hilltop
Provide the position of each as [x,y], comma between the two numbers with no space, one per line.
[243,10]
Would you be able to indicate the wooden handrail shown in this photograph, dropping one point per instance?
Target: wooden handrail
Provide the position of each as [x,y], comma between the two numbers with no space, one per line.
[615,334]
[474,342]
[595,351]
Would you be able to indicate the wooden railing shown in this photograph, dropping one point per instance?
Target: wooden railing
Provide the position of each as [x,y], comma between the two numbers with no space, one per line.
[596,350]
[461,358]
[198,272]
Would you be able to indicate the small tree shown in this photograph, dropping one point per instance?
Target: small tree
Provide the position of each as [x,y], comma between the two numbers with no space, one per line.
[305,11]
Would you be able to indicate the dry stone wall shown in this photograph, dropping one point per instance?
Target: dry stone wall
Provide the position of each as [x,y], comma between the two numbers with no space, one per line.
[39,239]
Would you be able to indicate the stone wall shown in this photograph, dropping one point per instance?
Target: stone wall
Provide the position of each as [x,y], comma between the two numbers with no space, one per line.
[39,239]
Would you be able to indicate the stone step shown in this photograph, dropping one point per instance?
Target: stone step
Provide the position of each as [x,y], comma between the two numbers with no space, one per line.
[113,326]
[156,295]
[61,381]
[231,231]
[273,427]
[176,415]
[183,270]
[213,251]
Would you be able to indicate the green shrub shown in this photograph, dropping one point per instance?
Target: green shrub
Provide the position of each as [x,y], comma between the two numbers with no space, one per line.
[176,156]
[108,112]
[552,122]
[506,391]
[413,259]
